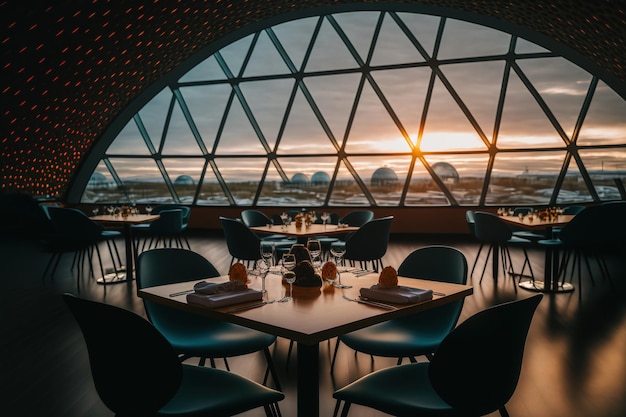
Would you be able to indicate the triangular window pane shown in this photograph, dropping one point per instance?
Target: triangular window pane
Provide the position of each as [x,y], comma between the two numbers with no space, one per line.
[99,187]
[154,114]
[478,85]
[329,51]
[524,177]
[604,166]
[384,176]
[346,191]
[268,101]
[605,122]
[561,84]
[393,46]
[522,46]
[211,192]
[238,136]
[235,53]
[462,40]
[295,37]
[129,142]
[423,190]
[334,97]
[142,181]
[185,175]
[207,70]
[462,174]
[423,27]
[265,59]
[359,28]
[206,105]
[303,132]
[405,89]
[447,128]
[524,124]
[381,136]
[242,176]
[180,140]
[574,189]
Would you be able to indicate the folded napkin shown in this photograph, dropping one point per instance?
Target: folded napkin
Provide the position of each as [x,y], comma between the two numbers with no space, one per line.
[397,295]
[204,287]
[214,295]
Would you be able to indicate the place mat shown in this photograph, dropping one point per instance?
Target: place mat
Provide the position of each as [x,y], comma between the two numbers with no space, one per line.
[224,299]
[397,295]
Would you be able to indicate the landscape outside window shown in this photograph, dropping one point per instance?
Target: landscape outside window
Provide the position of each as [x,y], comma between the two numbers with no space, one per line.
[372,109]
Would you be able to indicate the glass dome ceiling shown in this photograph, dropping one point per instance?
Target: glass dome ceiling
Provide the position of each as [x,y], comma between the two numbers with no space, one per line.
[462,114]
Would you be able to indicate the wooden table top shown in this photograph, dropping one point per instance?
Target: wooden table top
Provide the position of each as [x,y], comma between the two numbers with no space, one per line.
[132,219]
[313,315]
[303,231]
[537,223]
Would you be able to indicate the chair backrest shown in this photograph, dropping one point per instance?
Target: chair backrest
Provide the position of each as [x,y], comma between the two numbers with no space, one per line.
[242,242]
[495,339]
[471,222]
[357,218]
[370,241]
[170,222]
[72,224]
[253,218]
[437,263]
[490,228]
[171,206]
[168,266]
[573,209]
[134,368]
[603,224]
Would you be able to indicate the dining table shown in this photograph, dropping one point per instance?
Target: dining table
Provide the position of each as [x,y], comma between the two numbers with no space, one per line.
[313,315]
[303,232]
[551,283]
[125,222]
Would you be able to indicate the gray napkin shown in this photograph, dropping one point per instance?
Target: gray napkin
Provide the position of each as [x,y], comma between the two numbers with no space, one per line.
[224,298]
[218,288]
[397,295]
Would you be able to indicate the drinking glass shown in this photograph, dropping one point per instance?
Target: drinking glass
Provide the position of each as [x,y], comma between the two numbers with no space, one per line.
[325,217]
[148,209]
[95,211]
[267,253]
[315,249]
[290,278]
[289,261]
[110,210]
[338,253]
[264,268]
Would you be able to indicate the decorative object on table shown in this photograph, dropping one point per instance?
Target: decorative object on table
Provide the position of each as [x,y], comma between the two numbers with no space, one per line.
[238,272]
[306,276]
[329,271]
[388,277]
[301,253]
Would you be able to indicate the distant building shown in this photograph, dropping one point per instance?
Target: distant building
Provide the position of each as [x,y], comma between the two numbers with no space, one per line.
[384,176]
[446,172]
[320,178]
[184,180]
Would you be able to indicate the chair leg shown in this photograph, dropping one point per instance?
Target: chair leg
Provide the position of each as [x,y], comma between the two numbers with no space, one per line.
[504,412]
[271,368]
[480,248]
[332,362]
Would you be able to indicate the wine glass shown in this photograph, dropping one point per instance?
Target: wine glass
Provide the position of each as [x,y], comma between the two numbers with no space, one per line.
[95,211]
[148,209]
[338,252]
[325,216]
[315,250]
[290,278]
[110,210]
[289,261]
[264,268]
[267,253]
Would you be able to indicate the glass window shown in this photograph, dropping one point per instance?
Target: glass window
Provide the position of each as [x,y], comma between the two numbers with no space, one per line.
[370,108]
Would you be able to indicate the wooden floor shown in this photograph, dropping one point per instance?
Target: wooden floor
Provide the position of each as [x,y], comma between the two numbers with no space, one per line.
[574,364]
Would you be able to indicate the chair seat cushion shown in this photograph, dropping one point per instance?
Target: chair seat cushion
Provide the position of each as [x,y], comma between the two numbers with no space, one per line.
[227,394]
[400,391]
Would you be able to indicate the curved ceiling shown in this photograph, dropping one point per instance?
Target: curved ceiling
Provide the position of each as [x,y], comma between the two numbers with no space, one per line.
[69,68]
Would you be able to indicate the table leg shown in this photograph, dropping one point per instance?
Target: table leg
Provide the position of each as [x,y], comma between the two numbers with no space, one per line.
[125,274]
[550,282]
[308,380]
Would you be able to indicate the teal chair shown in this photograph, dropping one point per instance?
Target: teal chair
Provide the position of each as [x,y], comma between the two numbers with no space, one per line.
[418,334]
[136,371]
[192,335]
[144,230]
[474,372]
[367,245]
